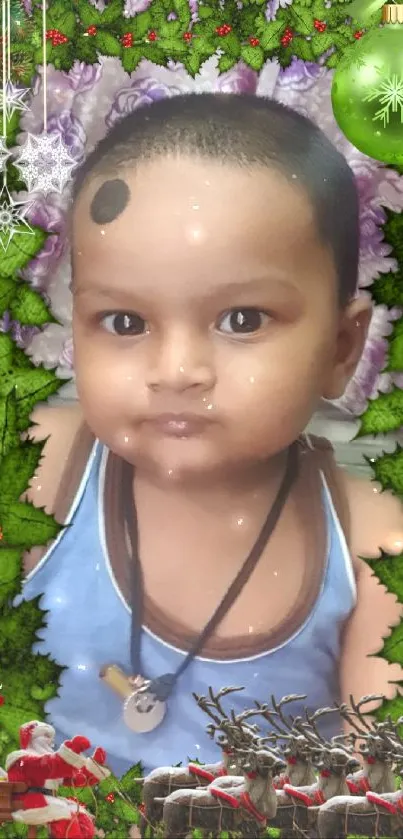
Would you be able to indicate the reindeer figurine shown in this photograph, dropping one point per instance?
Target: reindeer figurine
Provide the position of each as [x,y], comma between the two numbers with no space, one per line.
[373,814]
[376,773]
[244,808]
[227,734]
[296,748]
[336,762]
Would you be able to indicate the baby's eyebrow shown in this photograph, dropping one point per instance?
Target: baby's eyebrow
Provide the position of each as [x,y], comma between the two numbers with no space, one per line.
[109,201]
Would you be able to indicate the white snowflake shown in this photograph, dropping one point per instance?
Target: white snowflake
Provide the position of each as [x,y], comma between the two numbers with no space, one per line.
[12,216]
[389,94]
[4,153]
[45,163]
[13,99]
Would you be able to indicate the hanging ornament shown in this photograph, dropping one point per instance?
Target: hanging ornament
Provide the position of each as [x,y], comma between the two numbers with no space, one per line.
[45,163]
[4,153]
[367,89]
[12,99]
[12,217]
[44,160]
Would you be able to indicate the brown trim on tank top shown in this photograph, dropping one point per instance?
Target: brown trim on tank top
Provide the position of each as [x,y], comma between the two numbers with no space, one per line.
[309,495]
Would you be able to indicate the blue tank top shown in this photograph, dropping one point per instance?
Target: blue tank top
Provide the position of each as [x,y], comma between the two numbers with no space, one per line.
[88,625]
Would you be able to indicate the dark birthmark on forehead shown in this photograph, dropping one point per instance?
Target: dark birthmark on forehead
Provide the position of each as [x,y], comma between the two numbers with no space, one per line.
[109,201]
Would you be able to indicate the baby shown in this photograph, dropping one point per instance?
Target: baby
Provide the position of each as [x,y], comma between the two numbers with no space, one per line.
[210,542]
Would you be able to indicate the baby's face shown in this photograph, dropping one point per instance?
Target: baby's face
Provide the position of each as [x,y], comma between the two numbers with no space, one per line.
[206,324]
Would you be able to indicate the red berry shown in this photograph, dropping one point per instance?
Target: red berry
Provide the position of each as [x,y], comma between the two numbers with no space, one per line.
[152,36]
[187,36]
[358,35]
[127,39]
[2,700]
[92,30]
[254,42]
[110,798]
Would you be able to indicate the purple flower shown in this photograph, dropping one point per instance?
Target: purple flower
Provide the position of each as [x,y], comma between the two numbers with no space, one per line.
[142,92]
[72,132]
[274,5]
[66,358]
[133,7]
[241,79]
[27,6]
[82,77]
[299,76]
[22,335]
[46,214]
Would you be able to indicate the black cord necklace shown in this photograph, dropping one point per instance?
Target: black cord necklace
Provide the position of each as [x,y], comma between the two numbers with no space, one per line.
[145,708]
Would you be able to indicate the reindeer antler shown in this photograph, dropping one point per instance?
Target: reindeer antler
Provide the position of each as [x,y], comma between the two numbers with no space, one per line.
[212,701]
[352,714]
[276,711]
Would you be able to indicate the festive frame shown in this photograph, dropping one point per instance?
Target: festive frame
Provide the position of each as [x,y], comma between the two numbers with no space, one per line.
[181,38]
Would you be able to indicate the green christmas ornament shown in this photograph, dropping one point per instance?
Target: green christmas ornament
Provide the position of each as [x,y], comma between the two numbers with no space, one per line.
[367,90]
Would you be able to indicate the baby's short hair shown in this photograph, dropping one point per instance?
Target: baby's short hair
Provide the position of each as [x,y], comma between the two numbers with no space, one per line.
[246,131]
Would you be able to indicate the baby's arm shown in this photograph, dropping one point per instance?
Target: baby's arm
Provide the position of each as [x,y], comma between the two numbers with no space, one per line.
[376,522]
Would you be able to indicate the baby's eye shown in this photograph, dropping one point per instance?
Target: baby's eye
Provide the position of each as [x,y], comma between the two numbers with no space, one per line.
[124,324]
[242,321]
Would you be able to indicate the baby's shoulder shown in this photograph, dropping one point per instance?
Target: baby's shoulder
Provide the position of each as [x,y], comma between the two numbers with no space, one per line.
[376,517]
[58,427]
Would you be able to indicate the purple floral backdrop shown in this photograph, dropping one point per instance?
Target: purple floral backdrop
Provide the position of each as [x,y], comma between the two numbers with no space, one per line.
[85,102]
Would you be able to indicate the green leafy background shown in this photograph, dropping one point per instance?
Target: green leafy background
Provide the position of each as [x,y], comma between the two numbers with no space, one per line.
[30,679]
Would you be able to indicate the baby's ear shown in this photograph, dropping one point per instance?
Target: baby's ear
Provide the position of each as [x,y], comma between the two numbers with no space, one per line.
[351,336]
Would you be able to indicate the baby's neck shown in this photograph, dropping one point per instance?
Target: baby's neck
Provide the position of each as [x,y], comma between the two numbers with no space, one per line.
[244,488]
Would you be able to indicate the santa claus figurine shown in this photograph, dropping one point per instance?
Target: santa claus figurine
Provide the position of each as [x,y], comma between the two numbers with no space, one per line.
[43,769]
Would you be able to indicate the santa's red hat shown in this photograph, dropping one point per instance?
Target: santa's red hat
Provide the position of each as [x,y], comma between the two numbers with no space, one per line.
[31,730]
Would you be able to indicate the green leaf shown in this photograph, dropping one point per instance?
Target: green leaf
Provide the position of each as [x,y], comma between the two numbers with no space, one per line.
[226,62]
[131,57]
[204,12]
[388,470]
[10,573]
[303,49]
[395,362]
[61,16]
[26,526]
[231,45]
[7,292]
[17,468]
[107,44]
[22,248]
[140,25]
[89,15]
[301,20]
[86,51]
[9,436]
[332,61]
[153,52]
[270,37]
[320,43]
[394,707]
[113,12]
[29,308]
[383,414]
[392,650]
[174,47]
[253,57]
[192,62]
[389,571]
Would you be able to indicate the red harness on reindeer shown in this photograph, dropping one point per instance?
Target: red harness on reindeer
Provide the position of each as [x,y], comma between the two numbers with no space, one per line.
[244,800]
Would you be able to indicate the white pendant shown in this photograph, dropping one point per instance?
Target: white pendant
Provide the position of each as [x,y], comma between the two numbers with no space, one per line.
[142,711]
